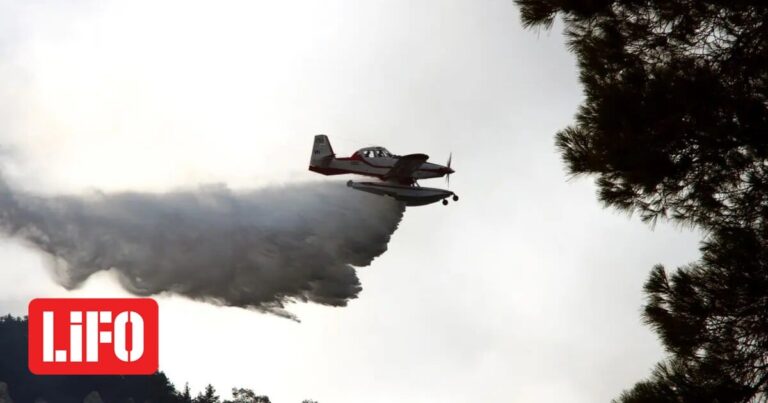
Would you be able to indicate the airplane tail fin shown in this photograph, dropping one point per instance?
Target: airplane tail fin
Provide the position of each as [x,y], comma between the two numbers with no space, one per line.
[322,152]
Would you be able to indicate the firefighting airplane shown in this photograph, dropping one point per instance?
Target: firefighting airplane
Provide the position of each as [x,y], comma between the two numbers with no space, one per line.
[397,173]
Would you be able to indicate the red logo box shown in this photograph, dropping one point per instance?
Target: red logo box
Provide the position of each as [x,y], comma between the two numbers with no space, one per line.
[98,336]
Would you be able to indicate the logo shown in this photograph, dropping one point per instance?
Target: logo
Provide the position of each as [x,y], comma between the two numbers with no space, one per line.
[93,336]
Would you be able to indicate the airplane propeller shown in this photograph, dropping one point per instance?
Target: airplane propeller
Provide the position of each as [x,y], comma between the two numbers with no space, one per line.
[448,177]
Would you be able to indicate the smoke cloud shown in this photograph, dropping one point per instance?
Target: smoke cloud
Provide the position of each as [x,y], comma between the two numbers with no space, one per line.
[256,249]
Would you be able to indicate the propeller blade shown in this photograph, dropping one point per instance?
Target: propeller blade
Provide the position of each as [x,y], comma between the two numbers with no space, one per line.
[448,176]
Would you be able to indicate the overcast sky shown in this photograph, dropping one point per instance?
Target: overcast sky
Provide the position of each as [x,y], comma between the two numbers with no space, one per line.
[526,290]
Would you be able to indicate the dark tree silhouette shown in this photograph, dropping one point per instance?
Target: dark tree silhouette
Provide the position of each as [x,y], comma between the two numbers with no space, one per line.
[186,395]
[208,396]
[675,124]
[25,387]
[156,388]
[243,395]
[712,316]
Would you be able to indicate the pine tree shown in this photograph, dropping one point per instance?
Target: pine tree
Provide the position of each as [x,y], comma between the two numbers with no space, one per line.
[207,396]
[712,316]
[675,124]
[244,395]
[186,396]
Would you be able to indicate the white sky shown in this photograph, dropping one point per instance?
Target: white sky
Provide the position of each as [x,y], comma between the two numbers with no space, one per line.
[526,290]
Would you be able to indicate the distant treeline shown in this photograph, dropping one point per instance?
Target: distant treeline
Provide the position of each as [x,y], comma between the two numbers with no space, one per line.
[23,386]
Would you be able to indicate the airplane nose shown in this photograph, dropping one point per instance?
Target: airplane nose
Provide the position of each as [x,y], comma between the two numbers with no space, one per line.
[447,170]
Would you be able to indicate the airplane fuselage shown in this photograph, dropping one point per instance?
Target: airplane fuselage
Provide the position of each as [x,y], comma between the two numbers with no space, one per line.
[378,168]
[397,173]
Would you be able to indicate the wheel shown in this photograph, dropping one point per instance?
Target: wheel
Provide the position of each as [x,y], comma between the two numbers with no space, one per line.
[349,183]
[445,202]
[455,198]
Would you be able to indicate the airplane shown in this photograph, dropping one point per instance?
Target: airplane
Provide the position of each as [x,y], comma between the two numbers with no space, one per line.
[398,174]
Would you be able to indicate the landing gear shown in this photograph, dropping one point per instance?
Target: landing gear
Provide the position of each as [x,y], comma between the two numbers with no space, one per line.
[455,198]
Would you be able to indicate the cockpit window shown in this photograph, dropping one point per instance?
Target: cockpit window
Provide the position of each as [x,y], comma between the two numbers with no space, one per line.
[376,153]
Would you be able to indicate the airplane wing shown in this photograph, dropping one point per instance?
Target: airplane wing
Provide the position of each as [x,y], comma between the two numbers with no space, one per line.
[406,166]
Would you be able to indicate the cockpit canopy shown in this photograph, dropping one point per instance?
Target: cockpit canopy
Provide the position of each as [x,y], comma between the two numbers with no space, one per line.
[374,152]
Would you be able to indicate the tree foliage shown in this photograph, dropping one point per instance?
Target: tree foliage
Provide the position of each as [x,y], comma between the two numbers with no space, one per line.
[243,395]
[675,124]
[208,395]
[23,386]
[712,316]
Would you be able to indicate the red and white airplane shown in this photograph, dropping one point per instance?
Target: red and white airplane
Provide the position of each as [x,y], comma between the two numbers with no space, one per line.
[397,173]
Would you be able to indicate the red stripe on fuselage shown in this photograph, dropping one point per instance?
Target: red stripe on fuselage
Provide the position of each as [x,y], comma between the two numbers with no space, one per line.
[336,171]
[403,180]
[366,162]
